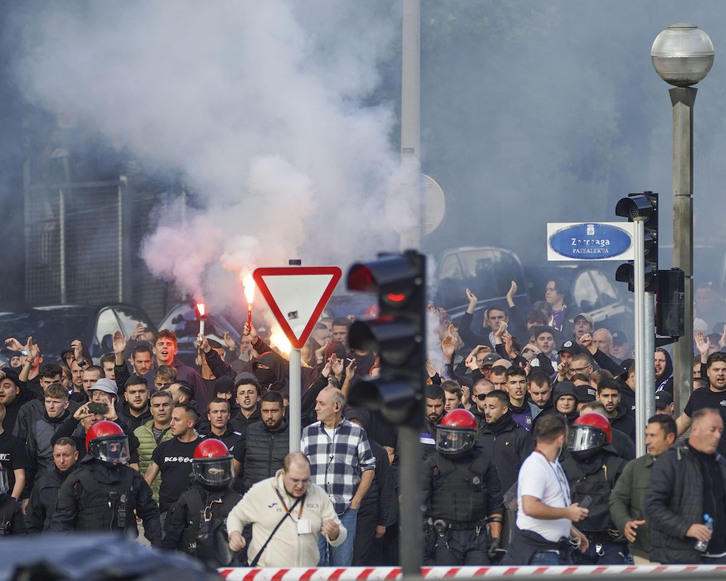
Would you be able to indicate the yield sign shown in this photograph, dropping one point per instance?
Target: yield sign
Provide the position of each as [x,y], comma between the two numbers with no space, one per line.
[297,295]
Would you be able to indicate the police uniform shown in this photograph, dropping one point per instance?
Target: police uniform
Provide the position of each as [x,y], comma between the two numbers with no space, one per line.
[462,491]
[101,497]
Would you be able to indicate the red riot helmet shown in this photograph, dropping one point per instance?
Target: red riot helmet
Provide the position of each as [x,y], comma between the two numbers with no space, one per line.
[212,464]
[588,434]
[4,482]
[456,433]
[107,442]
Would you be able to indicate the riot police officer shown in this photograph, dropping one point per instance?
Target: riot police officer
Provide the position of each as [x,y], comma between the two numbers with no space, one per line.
[102,494]
[462,494]
[197,525]
[592,467]
[11,518]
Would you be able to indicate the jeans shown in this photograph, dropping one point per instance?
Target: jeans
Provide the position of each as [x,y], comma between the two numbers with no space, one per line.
[546,558]
[342,555]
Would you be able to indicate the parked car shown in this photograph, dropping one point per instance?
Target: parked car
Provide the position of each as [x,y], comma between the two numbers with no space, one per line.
[487,271]
[53,328]
[183,319]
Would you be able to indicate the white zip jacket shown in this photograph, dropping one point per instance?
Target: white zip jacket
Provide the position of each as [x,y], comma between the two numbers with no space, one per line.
[262,508]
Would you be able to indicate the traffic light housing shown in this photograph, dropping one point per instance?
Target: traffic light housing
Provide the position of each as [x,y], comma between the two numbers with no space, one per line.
[397,335]
[670,304]
[637,207]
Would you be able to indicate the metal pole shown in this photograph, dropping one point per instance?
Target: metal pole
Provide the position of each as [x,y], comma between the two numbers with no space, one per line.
[411,118]
[62,249]
[649,356]
[682,99]
[120,241]
[411,534]
[295,400]
[639,324]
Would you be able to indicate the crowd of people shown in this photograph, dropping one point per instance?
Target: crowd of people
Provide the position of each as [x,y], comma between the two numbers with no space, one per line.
[527,446]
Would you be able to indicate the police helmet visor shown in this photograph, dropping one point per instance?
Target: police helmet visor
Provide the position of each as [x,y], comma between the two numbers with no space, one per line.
[111,449]
[4,483]
[213,471]
[454,440]
[583,438]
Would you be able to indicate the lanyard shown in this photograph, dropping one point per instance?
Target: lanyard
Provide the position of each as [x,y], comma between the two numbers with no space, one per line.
[557,469]
[287,510]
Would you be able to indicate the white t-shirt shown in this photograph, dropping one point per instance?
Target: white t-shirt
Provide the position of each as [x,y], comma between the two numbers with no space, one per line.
[547,481]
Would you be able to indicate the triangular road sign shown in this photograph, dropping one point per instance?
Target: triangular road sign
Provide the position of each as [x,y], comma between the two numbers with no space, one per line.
[297,295]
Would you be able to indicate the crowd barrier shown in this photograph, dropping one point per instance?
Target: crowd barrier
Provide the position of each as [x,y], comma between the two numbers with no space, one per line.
[394,573]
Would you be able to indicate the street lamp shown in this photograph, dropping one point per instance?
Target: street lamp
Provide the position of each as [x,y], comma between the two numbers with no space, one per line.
[682,56]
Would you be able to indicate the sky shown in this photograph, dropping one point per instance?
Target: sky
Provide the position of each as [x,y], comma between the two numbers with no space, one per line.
[283,117]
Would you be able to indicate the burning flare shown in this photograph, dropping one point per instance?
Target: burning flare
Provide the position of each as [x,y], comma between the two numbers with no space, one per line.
[248,282]
[202,312]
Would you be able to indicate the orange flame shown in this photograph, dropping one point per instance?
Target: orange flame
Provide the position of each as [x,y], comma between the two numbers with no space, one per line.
[279,341]
[201,309]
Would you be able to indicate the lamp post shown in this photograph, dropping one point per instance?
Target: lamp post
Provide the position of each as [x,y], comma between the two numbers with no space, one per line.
[682,56]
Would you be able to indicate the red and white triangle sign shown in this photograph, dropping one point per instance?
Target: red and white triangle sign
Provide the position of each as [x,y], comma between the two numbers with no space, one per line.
[297,296]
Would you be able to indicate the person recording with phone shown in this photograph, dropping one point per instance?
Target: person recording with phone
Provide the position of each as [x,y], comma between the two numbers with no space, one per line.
[102,406]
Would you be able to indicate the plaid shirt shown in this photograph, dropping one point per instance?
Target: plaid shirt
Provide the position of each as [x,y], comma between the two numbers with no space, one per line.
[338,463]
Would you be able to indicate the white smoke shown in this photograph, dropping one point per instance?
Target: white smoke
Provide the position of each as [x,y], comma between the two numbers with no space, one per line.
[261,105]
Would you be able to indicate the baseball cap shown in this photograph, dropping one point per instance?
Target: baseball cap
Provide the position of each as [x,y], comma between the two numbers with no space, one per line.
[105,385]
[663,399]
[490,358]
[585,316]
[570,347]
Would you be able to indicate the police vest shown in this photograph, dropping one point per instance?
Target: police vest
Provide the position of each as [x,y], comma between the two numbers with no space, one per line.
[459,489]
[597,482]
[105,506]
[205,530]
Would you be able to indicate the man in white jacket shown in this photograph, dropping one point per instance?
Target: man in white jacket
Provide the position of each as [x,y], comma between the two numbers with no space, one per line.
[302,508]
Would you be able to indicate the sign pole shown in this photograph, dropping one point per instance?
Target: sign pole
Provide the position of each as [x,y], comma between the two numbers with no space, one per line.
[295,409]
[639,325]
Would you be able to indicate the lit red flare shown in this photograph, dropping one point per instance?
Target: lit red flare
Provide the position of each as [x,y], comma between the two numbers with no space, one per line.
[201,311]
[249,285]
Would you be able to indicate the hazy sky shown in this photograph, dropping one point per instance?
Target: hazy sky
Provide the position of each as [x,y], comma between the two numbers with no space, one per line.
[283,117]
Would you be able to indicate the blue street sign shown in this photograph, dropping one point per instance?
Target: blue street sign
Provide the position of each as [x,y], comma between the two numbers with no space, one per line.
[589,241]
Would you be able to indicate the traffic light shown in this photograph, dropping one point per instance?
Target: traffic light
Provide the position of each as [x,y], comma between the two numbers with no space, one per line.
[641,207]
[670,304]
[397,335]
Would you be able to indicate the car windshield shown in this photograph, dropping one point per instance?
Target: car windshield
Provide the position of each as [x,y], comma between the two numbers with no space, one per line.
[52,329]
[488,272]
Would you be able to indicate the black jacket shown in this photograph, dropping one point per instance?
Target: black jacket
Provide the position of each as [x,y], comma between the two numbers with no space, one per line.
[98,497]
[260,454]
[673,502]
[508,444]
[187,531]
[43,498]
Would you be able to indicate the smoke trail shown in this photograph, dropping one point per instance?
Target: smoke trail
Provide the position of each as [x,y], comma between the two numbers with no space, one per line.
[264,107]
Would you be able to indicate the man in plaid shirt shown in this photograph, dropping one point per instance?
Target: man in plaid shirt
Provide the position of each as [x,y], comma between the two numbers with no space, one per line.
[342,464]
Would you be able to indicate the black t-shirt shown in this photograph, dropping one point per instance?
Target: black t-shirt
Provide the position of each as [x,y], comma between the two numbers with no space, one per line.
[704,397]
[12,456]
[174,459]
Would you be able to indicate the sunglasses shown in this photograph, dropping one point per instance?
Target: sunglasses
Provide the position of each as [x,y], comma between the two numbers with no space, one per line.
[480,396]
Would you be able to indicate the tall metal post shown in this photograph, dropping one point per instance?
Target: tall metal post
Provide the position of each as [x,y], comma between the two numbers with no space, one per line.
[62,246]
[682,99]
[411,120]
[411,534]
[295,400]
[649,356]
[639,325]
